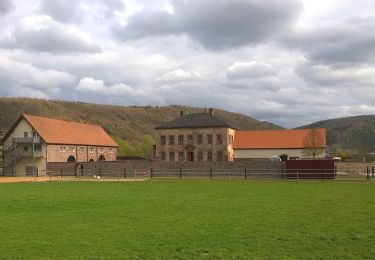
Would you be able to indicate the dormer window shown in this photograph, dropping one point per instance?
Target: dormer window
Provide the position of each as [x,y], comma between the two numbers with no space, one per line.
[25,134]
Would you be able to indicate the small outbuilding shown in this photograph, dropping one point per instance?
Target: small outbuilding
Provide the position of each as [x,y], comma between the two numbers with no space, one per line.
[286,144]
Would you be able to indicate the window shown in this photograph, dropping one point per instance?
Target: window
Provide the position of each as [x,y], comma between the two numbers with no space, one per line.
[81,149]
[219,156]
[180,139]
[219,139]
[71,149]
[171,139]
[91,149]
[38,148]
[101,150]
[25,134]
[180,156]
[171,156]
[209,156]
[62,149]
[162,139]
[110,150]
[200,139]
[209,139]
[200,156]
[190,139]
[162,156]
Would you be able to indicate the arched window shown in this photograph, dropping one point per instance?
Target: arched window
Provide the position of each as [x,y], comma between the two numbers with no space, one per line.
[71,159]
[91,160]
[284,157]
[101,158]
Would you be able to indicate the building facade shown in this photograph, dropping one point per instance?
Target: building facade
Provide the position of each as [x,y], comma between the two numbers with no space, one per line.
[287,144]
[34,141]
[194,137]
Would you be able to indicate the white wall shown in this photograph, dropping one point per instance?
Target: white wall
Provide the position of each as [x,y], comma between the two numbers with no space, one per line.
[268,153]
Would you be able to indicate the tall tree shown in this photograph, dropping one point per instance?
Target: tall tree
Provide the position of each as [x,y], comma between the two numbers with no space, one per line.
[313,143]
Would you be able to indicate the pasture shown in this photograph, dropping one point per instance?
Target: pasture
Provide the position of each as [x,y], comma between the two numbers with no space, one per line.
[183,219]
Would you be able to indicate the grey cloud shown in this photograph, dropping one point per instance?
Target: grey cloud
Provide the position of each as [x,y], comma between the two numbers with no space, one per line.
[336,77]
[45,35]
[216,24]
[352,41]
[5,7]
[61,10]
[21,79]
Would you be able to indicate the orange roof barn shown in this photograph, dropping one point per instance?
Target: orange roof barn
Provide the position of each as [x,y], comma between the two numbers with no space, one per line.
[274,139]
[54,131]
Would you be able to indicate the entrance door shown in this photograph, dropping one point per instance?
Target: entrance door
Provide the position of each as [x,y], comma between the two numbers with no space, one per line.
[191,156]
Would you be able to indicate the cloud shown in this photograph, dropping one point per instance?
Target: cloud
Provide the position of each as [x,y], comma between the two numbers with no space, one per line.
[348,41]
[61,10]
[336,77]
[98,86]
[178,76]
[21,79]
[216,24]
[41,34]
[249,70]
[68,11]
[5,7]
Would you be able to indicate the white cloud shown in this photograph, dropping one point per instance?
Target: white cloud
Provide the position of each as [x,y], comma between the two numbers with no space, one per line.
[98,86]
[179,75]
[252,69]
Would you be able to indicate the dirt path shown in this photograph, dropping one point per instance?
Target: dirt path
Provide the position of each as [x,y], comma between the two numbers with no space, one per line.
[58,179]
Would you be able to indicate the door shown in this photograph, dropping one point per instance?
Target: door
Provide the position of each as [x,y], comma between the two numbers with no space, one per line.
[191,156]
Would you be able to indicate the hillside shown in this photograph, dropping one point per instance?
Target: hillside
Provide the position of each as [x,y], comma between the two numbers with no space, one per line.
[129,123]
[356,132]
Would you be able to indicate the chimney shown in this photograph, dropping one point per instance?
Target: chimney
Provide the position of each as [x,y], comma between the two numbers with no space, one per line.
[181,113]
[211,111]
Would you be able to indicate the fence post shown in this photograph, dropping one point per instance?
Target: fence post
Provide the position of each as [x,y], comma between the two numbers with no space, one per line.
[335,171]
[12,172]
[61,173]
[124,173]
[100,171]
[368,173]
[211,173]
[245,174]
[282,173]
[372,172]
[180,173]
[297,177]
[152,173]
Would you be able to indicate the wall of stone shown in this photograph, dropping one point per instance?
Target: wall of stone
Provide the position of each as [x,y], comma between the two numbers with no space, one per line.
[168,169]
[353,167]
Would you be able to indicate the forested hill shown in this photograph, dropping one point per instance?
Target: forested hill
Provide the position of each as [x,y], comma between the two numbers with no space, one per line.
[356,132]
[129,123]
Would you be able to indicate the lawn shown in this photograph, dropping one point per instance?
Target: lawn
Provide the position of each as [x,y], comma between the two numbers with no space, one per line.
[188,219]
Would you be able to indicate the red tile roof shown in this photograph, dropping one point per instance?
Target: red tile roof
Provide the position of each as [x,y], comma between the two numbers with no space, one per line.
[54,131]
[273,139]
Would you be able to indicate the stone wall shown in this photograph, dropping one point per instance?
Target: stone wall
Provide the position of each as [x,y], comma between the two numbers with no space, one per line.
[167,169]
[353,167]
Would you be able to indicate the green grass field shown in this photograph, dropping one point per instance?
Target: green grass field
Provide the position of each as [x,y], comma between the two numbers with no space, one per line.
[188,219]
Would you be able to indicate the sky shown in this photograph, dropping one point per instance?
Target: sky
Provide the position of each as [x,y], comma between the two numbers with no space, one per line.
[290,62]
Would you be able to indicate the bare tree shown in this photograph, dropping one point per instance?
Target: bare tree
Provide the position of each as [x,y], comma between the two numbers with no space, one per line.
[313,143]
